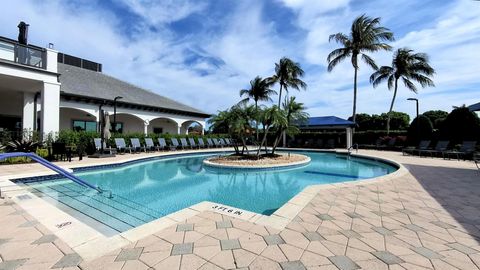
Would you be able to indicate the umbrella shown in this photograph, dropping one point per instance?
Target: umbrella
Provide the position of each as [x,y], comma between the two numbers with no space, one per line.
[107,127]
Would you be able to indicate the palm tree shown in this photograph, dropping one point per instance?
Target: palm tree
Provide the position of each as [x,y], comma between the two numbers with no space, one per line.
[288,74]
[366,35]
[407,66]
[271,117]
[295,114]
[259,91]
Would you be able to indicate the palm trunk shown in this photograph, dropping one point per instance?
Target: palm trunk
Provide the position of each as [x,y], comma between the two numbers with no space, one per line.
[264,140]
[354,95]
[391,106]
[256,120]
[277,141]
[280,95]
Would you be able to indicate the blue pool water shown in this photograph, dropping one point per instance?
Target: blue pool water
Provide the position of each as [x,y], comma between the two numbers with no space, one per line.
[147,190]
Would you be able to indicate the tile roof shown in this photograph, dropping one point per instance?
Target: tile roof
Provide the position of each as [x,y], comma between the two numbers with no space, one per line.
[82,82]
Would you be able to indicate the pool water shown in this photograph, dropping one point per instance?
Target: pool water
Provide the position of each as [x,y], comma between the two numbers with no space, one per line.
[147,190]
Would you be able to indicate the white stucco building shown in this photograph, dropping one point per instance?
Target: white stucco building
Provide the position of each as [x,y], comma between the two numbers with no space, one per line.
[42,89]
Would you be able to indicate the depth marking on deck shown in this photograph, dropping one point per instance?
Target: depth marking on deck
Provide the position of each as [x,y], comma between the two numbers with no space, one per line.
[230,210]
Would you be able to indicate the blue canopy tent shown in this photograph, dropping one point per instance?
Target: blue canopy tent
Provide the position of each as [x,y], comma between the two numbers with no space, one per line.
[329,122]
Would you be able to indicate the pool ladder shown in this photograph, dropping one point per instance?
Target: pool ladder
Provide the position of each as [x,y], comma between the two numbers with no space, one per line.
[354,146]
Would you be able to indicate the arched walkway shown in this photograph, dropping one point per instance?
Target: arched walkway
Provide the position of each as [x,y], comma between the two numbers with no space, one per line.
[77,119]
[127,123]
[191,126]
[163,125]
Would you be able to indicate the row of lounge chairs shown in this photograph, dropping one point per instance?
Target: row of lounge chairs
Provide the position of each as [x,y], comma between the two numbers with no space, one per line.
[136,146]
[441,148]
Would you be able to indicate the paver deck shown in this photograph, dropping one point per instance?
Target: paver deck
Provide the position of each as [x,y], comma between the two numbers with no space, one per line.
[426,219]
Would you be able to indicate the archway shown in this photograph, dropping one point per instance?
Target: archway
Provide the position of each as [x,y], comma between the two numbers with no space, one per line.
[128,123]
[162,125]
[191,127]
[77,119]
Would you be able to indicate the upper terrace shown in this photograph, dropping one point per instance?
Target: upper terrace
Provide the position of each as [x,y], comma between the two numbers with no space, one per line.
[29,55]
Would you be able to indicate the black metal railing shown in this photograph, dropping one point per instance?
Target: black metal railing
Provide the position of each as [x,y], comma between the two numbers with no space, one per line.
[29,55]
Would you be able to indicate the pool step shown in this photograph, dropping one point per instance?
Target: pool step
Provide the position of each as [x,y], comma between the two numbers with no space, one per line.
[118,213]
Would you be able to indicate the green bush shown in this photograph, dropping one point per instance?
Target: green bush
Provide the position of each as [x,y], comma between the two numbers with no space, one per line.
[461,124]
[420,129]
[81,140]
[366,122]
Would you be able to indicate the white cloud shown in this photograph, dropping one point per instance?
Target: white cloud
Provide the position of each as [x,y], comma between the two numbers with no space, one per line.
[247,44]
[164,11]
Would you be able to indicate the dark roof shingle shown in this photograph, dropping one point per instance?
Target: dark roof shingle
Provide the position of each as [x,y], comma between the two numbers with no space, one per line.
[82,82]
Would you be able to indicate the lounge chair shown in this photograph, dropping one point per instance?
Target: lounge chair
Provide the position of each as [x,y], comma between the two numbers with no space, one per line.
[192,143]
[223,143]
[423,145]
[210,143]
[175,144]
[476,159]
[228,142]
[389,146]
[162,144]
[467,148]
[98,146]
[121,146]
[440,147]
[183,143]
[201,143]
[136,145]
[149,145]
[216,142]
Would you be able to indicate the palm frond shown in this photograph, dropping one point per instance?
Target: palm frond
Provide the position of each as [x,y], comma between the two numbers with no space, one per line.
[410,85]
[369,61]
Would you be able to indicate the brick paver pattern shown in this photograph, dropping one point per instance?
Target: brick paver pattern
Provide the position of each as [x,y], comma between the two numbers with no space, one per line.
[427,219]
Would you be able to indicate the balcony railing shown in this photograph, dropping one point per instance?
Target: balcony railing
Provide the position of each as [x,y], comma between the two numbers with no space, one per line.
[13,51]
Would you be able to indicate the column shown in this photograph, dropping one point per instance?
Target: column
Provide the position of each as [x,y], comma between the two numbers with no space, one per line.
[50,108]
[51,59]
[146,123]
[349,137]
[179,129]
[28,120]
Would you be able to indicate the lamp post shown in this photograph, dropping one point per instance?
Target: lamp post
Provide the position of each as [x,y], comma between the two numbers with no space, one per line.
[115,112]
[416,100]
[418,122]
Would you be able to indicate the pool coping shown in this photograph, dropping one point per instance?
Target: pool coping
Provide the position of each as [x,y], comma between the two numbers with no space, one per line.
[90,243]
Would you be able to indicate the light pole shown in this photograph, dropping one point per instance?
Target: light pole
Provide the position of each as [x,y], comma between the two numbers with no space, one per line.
[418,122]
[416,100]
[115,112]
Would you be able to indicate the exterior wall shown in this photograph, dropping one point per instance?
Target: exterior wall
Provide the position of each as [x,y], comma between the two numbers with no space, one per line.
[130,123]
[169,126]
[133,120]
[67,115]
[11,103]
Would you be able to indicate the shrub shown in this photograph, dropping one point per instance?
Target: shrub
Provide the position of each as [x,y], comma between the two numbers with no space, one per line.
[461,124]
[436,117]
[420,129]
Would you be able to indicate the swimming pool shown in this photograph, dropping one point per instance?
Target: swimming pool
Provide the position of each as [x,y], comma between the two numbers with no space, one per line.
[146,190]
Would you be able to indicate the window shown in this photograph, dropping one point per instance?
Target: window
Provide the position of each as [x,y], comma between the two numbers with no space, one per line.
[118,129]
[157,130]
[81,125]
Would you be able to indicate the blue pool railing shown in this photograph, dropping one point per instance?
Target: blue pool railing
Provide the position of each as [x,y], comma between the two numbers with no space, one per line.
[52,167]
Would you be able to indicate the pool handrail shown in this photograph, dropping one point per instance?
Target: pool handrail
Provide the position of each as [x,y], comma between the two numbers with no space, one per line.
[52,167]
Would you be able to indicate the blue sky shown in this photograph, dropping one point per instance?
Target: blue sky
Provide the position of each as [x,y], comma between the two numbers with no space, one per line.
[203,52]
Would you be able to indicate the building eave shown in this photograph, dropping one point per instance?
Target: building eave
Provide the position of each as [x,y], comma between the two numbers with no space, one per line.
[100,101]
